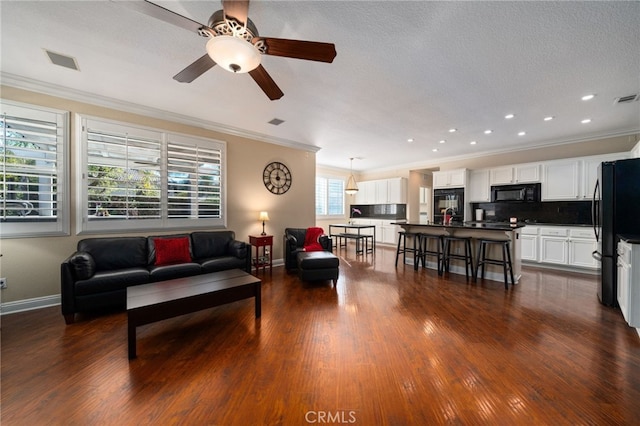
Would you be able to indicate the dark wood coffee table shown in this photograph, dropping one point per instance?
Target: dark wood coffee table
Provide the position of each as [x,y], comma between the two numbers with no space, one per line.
[153,302]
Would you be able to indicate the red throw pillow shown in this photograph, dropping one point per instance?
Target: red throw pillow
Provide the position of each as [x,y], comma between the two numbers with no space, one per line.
[172,250]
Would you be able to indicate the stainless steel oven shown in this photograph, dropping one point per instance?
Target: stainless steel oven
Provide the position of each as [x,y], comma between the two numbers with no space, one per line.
[448,202]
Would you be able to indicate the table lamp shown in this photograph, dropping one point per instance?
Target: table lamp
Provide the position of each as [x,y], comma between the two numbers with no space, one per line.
[264,216]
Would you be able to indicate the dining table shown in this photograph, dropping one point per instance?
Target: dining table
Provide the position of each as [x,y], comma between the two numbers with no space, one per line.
[354,231]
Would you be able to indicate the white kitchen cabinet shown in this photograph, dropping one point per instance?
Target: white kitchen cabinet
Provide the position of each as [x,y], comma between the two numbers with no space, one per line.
[382,191]
[569,246]
[520,173]
[554,250]
[450,179]
[561,180]
[385,232]
[529,244]
[366,193]
[388,233]
[580,253]
[629,282]
[582,244]
[397,191]
[479,190]
[590,172]
[589,176]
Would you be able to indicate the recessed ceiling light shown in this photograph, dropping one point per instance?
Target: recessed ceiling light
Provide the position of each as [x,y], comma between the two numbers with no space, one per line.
[522,133]
[588,97]
[410,140]
[488,131]
[473,142]
[435,150]
[451,130]
[509,116]
[549,118]
[586,120]
[442,141]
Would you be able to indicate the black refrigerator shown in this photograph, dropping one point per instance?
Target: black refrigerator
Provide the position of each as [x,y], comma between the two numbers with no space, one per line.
[615,211]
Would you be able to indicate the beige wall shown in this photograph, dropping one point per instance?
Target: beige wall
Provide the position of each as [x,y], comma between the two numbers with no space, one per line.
[32,265]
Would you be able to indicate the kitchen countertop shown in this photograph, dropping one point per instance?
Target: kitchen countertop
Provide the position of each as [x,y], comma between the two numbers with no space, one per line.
[489,226]
[631,239]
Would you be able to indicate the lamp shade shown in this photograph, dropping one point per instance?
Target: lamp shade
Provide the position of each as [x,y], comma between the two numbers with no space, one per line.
[264,216]
[352,186]
[233,54]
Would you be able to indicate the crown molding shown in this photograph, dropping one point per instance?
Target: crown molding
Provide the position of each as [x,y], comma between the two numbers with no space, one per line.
[24,83]
[436,163]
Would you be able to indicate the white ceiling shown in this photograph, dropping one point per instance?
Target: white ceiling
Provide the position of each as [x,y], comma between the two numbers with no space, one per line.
[403,70]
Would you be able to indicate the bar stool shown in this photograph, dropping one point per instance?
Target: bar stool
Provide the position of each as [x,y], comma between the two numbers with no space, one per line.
[467,257]
[402,245]
[423,250]
[505,261]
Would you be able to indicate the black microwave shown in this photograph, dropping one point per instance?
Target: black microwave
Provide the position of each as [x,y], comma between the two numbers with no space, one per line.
[529,192]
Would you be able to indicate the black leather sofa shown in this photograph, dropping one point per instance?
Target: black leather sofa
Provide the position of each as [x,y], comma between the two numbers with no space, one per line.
[96,276]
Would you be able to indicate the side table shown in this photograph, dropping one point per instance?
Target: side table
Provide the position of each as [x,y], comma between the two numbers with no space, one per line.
[264,260]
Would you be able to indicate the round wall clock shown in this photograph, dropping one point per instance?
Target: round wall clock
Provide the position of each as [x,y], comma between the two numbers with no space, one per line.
[277,177]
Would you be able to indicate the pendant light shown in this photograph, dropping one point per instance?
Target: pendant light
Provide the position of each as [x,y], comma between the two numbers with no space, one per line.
[352,186]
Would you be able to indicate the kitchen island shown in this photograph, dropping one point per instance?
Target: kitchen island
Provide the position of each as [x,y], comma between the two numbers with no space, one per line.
[476,230]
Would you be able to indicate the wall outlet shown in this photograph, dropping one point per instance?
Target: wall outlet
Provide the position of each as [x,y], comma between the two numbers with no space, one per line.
[3,283]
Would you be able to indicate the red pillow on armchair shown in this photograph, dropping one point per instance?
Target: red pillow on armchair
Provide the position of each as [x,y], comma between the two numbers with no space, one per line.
[311,239]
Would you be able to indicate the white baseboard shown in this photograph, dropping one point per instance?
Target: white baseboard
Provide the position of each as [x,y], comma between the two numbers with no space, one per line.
[29,304]
[578,269]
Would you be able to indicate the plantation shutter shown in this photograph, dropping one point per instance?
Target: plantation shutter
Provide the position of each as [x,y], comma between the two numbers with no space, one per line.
[335,195]
[123,172]
[321,196]
[29,163]
[194,180]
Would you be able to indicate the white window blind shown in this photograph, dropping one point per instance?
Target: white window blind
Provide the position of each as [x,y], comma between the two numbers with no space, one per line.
[142,178]
[123,174]
[32,185]
[194,181]
[329,196]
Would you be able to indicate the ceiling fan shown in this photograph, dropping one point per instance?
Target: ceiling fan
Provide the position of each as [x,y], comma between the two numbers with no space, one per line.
[235,45]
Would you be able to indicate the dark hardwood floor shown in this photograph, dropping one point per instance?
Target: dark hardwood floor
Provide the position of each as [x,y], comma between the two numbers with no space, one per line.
[387,346]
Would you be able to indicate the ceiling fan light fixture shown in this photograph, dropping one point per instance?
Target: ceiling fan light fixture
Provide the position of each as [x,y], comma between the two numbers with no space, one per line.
[233,54]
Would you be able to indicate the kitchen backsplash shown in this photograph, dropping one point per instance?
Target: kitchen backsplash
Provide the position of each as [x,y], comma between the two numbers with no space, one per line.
[379,211]
[558,212]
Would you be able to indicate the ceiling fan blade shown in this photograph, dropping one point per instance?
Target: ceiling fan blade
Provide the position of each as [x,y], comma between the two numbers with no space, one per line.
[266,83]
[299,49]
[195,70]
[166,15]
[238,9]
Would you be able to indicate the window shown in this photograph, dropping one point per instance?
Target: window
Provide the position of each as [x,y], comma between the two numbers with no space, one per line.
[33,187]
[329,196]
[138,178]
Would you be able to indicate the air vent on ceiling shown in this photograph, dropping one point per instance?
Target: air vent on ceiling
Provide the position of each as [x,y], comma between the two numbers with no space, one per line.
[627,99]
[276,122]
[62,60]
